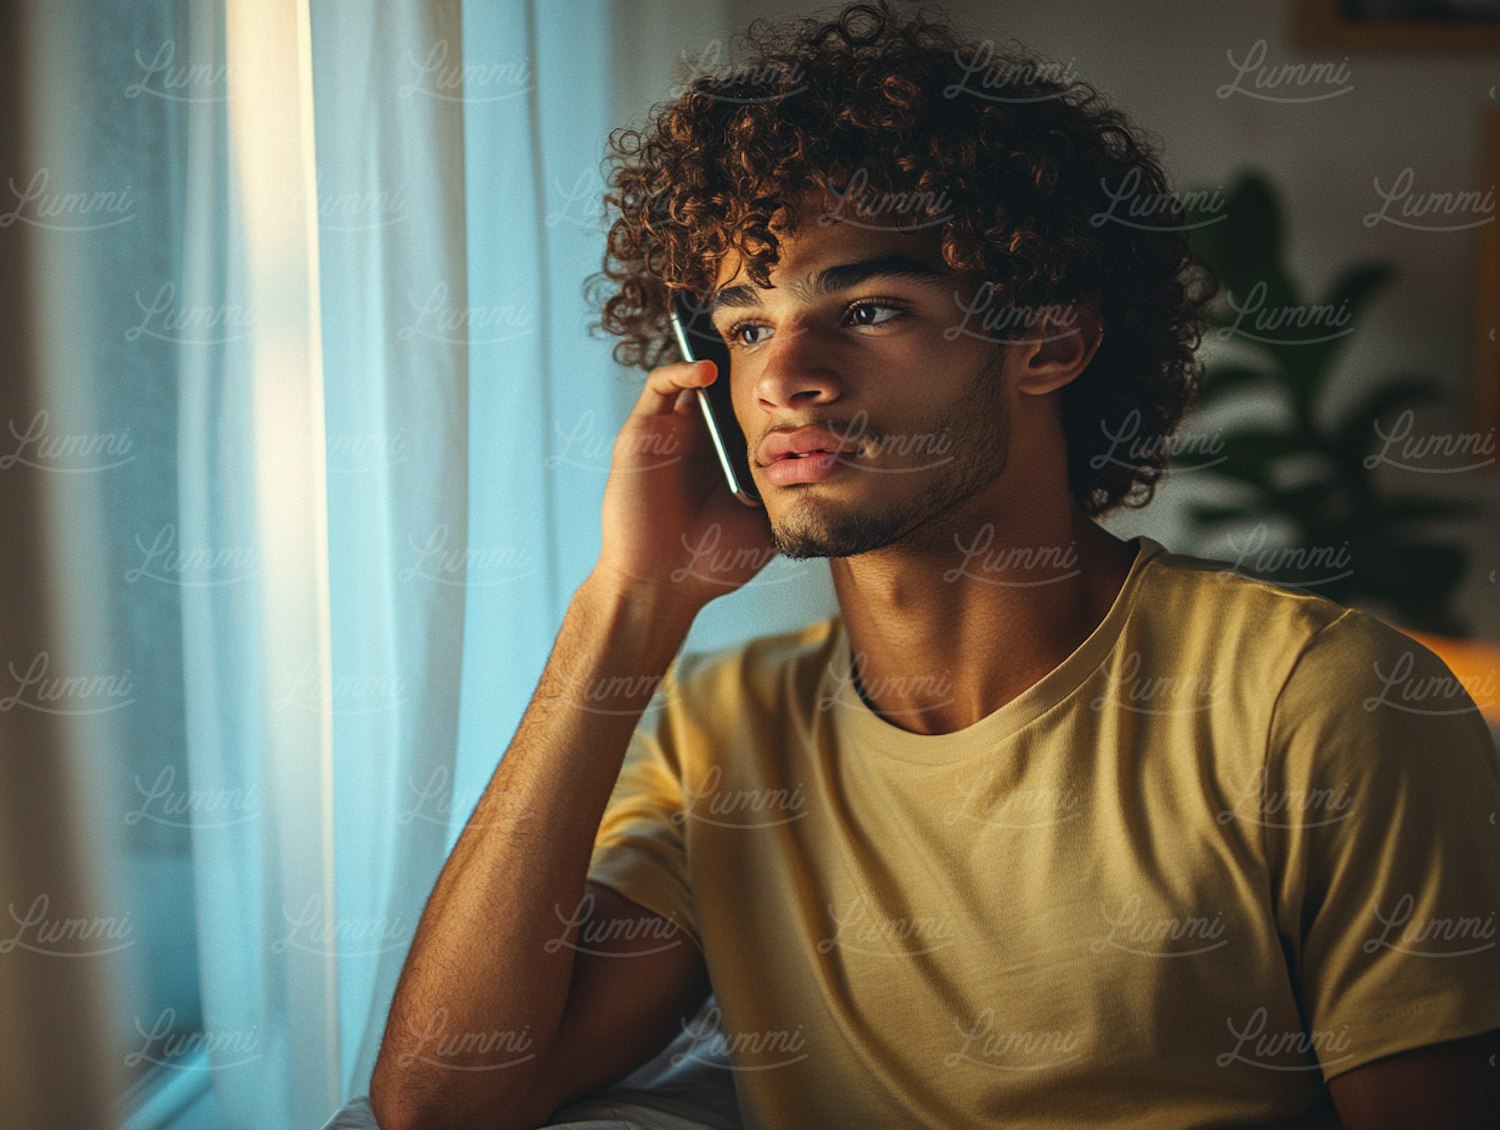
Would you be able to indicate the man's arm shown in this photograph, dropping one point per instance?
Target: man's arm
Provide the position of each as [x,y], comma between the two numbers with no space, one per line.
[1388,904]
[1455,1085]
[638,989]
[483,996]
[498,1017]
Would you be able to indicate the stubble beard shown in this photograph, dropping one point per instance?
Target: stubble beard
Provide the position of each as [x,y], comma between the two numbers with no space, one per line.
[979,427]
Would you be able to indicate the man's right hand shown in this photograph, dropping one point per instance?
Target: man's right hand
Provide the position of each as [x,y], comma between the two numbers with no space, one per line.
[669,519]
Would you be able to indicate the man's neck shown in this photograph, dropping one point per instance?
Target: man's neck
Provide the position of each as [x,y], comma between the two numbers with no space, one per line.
[944,635]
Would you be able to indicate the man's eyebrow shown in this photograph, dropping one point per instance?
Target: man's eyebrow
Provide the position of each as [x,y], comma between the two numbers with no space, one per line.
[831,280]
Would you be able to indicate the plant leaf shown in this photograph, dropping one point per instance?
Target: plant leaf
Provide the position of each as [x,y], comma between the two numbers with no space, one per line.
[1252,233]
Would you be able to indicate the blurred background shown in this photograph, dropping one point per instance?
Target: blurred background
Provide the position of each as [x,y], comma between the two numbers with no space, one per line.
[305,438]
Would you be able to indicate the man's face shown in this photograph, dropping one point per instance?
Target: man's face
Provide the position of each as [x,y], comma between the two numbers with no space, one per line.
[915,422]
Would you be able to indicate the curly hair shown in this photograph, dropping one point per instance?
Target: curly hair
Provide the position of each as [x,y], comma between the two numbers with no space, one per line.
[1047,187]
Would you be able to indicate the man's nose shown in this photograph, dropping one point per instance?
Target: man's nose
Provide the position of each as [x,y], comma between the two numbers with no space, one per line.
[796,370]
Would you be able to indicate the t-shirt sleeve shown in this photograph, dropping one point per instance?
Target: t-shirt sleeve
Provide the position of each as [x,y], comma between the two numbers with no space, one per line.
[640,849]
[1387,868]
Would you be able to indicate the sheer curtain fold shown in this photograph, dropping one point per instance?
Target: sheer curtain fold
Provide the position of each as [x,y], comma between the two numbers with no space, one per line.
[331,442]
[391,199]
[258,656]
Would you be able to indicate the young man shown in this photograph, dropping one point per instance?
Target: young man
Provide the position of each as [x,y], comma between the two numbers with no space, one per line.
[1045,828]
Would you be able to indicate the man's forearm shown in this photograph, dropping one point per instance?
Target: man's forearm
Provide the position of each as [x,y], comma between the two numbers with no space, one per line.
[481,986]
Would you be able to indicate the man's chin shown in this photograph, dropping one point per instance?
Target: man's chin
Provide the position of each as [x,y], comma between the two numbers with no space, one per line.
[803,549]
[825,535]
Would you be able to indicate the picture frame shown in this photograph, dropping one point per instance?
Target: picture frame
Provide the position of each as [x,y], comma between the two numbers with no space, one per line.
[1487,285]
[1338,24]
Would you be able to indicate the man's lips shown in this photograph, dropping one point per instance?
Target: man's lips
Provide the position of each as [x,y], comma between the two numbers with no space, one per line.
[801,442]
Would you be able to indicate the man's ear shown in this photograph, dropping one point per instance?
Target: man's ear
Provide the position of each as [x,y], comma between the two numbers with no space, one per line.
[1057,348]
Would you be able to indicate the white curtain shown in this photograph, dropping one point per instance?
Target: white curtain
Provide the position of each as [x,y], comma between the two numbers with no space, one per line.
[410,441]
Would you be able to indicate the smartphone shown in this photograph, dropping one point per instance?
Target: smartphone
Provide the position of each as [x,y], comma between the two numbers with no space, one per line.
[697,340]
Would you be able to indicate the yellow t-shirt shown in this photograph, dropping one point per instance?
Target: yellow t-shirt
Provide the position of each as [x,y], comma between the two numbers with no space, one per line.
[1242,840]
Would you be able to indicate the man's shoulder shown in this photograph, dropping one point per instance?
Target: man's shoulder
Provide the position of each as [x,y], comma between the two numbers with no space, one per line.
[761,669]
[1214,605]
[1299,650]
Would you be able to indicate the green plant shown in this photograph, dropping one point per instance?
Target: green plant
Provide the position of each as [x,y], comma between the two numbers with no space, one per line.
[1314,477]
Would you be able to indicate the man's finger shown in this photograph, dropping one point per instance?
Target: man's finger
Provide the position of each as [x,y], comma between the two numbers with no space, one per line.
[665,385]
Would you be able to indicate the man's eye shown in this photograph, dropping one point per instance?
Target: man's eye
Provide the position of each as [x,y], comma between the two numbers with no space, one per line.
[735,334]
[871,304]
